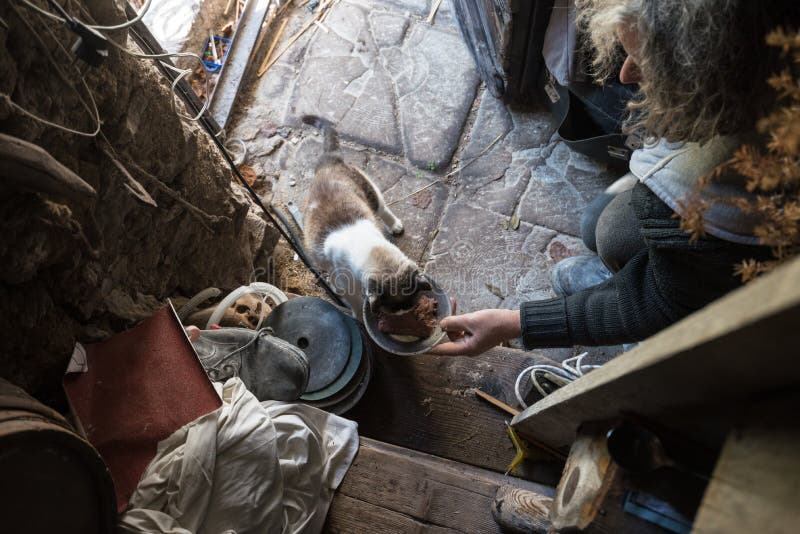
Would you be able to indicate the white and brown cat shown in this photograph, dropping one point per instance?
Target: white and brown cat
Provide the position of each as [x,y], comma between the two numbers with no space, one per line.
[343,235]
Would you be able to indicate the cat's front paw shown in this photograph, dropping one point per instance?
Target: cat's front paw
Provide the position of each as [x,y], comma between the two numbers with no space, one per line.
[397,227]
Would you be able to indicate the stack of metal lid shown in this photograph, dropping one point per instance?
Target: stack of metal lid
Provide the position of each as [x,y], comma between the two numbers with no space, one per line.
[340,361]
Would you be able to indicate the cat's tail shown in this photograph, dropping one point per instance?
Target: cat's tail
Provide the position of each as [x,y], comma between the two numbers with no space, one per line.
[330,141]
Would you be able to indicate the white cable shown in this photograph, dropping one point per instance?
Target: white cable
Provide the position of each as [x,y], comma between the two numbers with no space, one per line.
[129,23]
[35,117]
[517,383]
[182,74]
[124,25]
[568,372]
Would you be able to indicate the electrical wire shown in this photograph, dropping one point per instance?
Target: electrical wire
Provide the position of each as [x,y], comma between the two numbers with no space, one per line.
[568,372]
[35,117]
[122,26]
[93,110]
[182,73]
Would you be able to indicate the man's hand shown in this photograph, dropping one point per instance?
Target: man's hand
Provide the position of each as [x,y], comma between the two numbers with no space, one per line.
[475,333]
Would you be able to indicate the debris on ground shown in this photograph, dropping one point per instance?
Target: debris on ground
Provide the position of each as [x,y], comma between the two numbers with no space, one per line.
[292,276]
[496,291]
[422,199]
[249,174]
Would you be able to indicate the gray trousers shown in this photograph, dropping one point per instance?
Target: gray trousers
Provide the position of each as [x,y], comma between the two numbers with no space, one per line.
[609,226]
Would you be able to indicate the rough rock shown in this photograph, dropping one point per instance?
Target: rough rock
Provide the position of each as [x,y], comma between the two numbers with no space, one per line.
[499,177]
[561,186]
[69,272]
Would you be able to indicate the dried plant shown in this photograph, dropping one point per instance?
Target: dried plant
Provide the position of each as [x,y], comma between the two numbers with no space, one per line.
[772,172]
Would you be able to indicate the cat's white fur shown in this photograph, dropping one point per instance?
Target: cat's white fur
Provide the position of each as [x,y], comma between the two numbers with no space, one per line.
[347,253]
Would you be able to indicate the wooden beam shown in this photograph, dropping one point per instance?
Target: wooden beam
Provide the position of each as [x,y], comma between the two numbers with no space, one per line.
[736,347]
[428,403]
[352,516]
[756,483]
[393,487]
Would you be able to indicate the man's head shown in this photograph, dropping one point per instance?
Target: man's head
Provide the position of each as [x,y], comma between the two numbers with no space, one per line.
[702,65]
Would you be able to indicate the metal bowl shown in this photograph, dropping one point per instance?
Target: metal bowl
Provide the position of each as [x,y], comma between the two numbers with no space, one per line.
[418,346]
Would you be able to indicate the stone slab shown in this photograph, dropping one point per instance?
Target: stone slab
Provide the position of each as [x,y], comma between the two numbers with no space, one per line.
[436,91]
[386,86]
[342,80]
[419,8]
[420,212]
[476,260]
[562,183]
[499,177]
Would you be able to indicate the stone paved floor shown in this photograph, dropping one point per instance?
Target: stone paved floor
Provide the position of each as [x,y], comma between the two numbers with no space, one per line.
[410,108]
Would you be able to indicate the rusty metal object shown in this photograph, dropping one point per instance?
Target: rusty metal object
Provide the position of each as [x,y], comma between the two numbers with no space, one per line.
[53,480]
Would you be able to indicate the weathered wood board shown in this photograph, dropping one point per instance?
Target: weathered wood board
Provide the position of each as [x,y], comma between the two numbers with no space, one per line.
[428,403]
[391,489]
[756,483]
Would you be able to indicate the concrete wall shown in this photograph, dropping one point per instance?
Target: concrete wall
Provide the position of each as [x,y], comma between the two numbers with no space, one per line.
[80,272]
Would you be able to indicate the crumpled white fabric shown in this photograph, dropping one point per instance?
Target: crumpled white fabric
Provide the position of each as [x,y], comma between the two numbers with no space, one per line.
[249,466]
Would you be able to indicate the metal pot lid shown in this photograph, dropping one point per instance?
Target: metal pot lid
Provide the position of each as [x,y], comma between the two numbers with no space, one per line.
[349,372]
[319,330]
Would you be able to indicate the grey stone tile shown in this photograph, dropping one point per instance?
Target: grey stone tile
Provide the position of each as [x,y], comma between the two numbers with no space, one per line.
[385,92]
[445,17]
[562,183]
[419,8]
[420,213]
[478,262]
[499,177]
[432,112]
[387,29]
[343,81]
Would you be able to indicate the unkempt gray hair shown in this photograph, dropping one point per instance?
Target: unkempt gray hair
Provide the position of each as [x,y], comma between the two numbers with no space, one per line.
[704,63]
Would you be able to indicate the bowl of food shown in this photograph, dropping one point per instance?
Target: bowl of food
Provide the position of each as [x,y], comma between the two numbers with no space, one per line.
[412,332]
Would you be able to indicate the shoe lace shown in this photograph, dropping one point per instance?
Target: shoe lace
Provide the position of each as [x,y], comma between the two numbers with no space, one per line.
[569,370]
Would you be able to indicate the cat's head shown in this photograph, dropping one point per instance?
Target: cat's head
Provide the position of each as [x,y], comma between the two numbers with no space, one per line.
[392,286]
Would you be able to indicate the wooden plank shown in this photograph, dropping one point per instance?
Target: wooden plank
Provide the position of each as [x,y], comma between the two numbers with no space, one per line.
[756,483]
[436,493]
[742,344]
[519,510]
[351,516]
[428,403]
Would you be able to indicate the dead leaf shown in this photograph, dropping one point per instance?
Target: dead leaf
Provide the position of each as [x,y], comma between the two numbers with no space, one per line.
[558,251]
[514,223]
[496,291]
[422,199]
[248,173]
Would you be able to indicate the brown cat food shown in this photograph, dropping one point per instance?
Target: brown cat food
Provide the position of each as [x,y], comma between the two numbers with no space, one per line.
[420,321]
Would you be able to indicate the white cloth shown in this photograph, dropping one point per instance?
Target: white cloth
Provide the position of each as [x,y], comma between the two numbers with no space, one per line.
[247,467]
